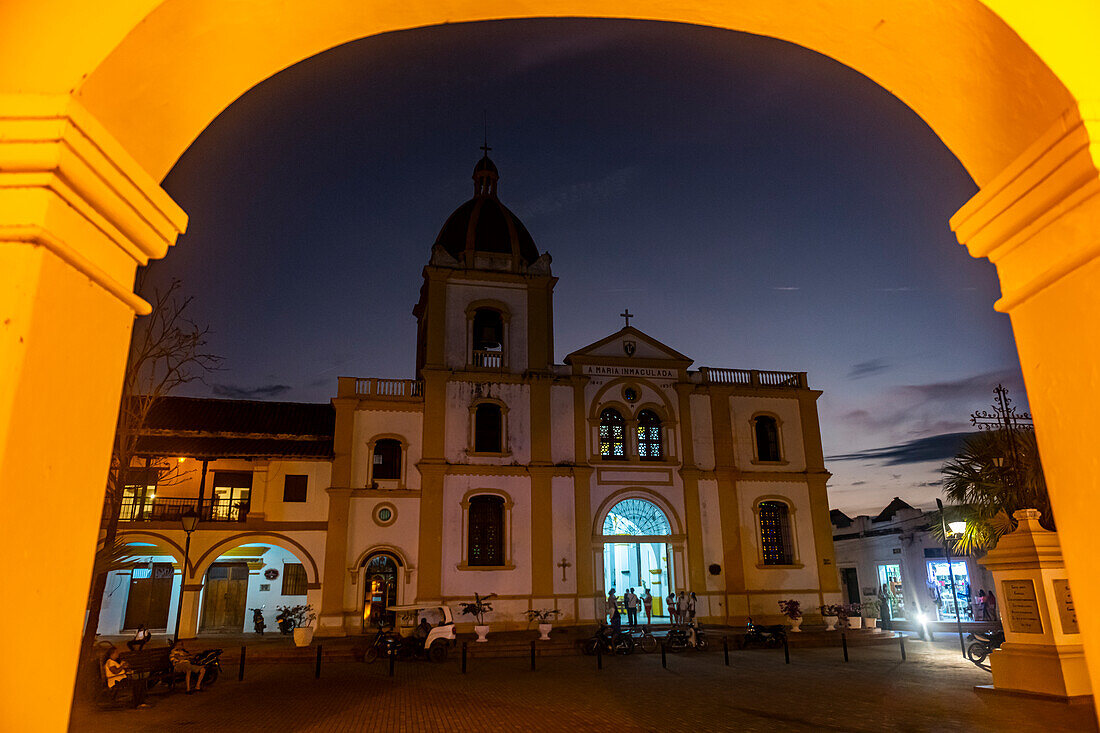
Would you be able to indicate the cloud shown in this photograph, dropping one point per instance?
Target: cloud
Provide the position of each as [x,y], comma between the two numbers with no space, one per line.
[256,393]
[903,289]
[583,193]
[786,287]
[858,483]
[867,368]
[921,450]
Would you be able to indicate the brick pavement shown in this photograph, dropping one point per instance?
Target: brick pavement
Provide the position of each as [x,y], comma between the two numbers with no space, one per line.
[932,691]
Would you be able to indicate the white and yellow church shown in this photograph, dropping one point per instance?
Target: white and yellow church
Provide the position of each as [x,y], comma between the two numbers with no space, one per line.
[494,470]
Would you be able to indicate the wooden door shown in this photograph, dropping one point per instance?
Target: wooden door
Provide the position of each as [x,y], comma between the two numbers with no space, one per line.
[225,597]
[150,597]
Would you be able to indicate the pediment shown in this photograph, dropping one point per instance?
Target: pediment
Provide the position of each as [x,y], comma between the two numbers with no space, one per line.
[627,346]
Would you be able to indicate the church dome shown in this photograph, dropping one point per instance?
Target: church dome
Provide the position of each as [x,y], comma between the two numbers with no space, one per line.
[485,225]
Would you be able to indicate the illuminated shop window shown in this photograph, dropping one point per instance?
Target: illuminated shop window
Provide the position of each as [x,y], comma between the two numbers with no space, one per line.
[612,434]
[775,533]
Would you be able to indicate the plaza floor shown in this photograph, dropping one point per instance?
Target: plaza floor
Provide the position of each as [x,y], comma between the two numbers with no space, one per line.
[875,691]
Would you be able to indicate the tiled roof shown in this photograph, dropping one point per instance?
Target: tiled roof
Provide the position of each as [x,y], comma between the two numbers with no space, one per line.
[194,414]
[891,509]
[193,427]
[839,519]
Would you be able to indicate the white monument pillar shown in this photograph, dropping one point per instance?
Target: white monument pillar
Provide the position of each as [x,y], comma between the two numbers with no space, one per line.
[1043,652]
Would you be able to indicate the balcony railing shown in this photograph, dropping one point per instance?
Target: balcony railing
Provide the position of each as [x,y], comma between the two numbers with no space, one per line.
[488,359]
[754,378]
[381,389]
[171,509]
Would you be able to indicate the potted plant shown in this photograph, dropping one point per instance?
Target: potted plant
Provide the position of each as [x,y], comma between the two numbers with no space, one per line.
[850,618]
[478,609]
[792,610]
[543,616]
[831,613]
[869,610]
[301,619]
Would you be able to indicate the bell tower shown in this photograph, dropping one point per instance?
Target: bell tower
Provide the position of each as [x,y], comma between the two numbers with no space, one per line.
[486,303]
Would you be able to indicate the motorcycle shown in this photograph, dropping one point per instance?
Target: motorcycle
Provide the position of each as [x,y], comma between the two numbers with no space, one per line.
[286,624]
[768,636]
[680,638]
[609,641]
[209,658]
[983,643]
[384,641]
[258,622]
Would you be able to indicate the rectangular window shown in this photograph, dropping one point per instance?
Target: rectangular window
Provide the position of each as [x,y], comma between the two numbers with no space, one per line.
[231,496]
[294,488]
[294,579]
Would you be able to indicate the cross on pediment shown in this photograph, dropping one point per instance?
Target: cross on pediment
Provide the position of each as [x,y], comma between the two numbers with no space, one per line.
[627,315]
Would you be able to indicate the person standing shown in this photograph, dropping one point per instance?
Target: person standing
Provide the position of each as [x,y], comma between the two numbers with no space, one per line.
[884,607]
[692,601]
[612,602]
[670,606]
[981,605]
[681,608]
[647,604]
[990,612]
[631,602]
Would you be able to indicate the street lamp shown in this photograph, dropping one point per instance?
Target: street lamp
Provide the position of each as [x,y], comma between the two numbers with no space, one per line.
[189,520]
[951,571]
[957,527]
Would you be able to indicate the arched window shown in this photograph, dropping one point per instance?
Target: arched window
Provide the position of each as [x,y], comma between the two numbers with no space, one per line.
[636,517]
[488,428]
[649,436]
[486,531]
[775,533]
[387,459]
[488,335]
[612,434]
[767,438]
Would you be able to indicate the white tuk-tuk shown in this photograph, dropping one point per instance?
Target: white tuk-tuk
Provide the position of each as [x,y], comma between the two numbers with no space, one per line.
[440,629]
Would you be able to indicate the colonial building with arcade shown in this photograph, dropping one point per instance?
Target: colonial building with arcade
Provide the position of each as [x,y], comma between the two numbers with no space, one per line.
[493,470]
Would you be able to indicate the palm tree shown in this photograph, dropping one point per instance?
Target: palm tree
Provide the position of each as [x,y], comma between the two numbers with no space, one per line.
[989,480]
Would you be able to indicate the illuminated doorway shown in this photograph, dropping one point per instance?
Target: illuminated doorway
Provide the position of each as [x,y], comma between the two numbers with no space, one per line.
[636,554]
[380,591]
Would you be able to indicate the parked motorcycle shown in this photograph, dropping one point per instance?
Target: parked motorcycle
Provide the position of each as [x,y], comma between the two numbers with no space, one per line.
[209,658]
[768,636]
[608,641]
[680,638]
[286,624]
[983,643]
[258,622]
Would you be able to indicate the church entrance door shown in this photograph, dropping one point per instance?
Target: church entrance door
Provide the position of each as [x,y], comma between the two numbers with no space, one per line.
[637,554]
[380,591]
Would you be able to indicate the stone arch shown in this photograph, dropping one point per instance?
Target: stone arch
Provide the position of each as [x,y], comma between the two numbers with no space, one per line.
[164,544]
[638,492]
[667,411]
[397,554]
[204,561]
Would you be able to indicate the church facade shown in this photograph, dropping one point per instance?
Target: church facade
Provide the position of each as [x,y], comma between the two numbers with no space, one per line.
[494,471]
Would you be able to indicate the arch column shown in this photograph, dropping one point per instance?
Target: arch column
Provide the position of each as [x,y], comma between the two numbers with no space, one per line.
[192,607]
[77,216]
[1039,222]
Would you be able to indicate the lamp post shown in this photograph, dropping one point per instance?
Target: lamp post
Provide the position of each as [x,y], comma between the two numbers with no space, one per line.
[188,521]
[951,574]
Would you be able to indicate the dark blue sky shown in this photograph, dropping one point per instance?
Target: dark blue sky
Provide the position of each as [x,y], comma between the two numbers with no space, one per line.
[756,205]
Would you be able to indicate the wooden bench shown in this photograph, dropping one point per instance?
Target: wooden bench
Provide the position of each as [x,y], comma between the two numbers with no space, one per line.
[151,665]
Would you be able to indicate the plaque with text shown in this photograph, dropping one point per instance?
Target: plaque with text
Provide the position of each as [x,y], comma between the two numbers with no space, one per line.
[1066,612]
[1021,606]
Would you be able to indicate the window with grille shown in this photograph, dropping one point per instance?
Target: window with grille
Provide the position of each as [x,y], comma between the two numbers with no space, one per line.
[649,436]
[387,459]
[775,533]
[767,438]
[488,428]
[294,579]
[294,488]
[486,531]
[612,434]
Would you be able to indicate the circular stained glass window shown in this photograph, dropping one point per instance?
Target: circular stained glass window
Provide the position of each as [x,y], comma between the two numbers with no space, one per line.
[630,394]
[385,514]
[636,517]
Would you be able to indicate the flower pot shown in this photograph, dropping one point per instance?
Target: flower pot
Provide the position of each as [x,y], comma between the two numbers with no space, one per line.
[544,629]
[481,632]
[830,623]
[871,623]
[796,624]
[303,635]
[855,622]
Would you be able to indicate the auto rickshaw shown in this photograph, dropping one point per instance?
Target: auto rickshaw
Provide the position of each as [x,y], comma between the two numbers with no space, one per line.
[440,636]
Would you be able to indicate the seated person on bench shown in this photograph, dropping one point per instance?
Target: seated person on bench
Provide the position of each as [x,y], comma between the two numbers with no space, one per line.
[118,677]
[181,662]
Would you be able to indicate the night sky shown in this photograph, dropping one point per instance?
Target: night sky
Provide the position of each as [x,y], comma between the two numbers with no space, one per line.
[755,204]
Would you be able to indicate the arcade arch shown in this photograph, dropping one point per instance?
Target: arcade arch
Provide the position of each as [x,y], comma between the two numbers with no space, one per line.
[638,549]
[1007,87]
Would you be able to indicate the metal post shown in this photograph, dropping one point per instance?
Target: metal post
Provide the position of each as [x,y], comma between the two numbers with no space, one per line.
[317,670]
[599,657]
[726,649]
[951,574]
[901,640]
[393,656]
[786,651]
[844,644]
[240,670]
[183,582]
[463,657]
[532,656]
[664,658]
